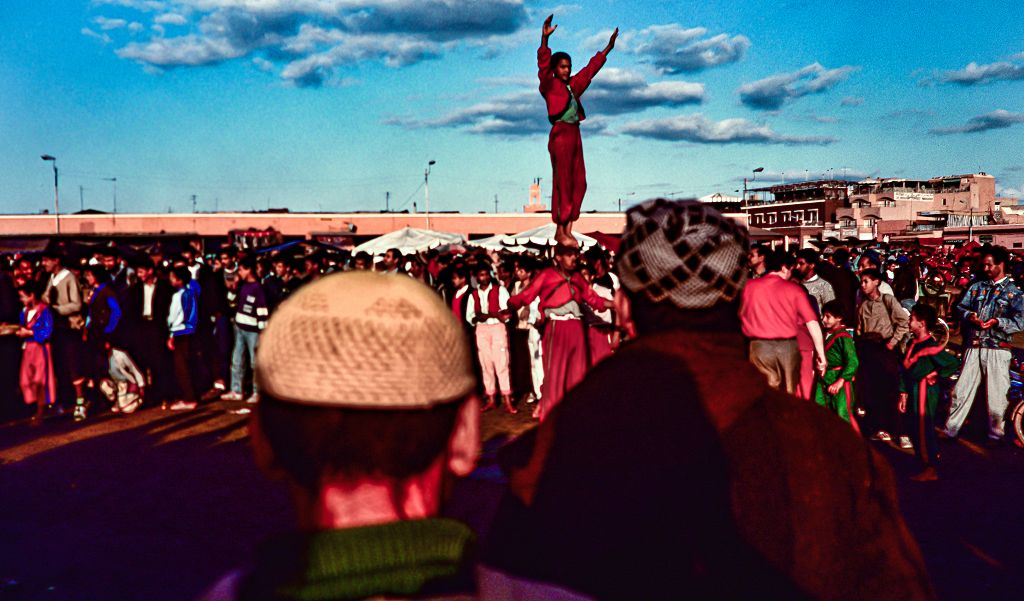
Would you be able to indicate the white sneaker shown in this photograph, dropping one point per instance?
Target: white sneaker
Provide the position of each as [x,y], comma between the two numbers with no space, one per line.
[183,406]
[882,435]
[905,442]
[253,398]
[231,396]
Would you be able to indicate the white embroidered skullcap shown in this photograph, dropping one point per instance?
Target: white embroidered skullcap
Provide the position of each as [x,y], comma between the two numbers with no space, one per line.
[364,340]
[683,251]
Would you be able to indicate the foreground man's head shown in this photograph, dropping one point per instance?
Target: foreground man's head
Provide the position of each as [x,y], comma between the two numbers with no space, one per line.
[365,412]
[364,380]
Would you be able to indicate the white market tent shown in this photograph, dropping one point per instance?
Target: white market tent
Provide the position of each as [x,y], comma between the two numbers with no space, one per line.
[409,240]
[498,243]
[538,236]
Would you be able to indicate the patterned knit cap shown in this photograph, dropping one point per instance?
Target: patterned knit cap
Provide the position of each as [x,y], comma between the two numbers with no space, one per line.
[683,251]
[364,340]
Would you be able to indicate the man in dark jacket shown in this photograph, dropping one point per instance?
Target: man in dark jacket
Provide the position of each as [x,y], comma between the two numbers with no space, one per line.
[674,471]
[835,270]
[147,303]
[101,327]
[214,329]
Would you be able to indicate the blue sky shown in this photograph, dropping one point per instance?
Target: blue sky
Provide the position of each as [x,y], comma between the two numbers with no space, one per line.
[330,104]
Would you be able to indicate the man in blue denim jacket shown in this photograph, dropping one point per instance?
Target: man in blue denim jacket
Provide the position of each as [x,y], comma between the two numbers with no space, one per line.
[993,311]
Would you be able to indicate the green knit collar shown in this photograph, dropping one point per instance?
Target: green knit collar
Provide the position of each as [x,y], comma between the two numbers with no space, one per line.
[402,559]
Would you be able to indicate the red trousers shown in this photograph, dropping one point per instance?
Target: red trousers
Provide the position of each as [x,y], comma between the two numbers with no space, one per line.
[600,347]
[565,361]
[569,174]
[806,390]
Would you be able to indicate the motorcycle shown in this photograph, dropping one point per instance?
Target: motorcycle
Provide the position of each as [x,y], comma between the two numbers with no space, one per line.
[1016,397]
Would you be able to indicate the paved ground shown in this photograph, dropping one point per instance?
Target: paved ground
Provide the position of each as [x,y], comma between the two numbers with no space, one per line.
[156,505]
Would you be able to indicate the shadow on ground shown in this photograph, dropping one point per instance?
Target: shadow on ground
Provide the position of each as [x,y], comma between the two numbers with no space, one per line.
[155,505]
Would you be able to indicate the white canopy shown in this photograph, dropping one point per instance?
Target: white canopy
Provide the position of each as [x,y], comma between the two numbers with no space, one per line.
[409,240]
[490,243]
[543,236]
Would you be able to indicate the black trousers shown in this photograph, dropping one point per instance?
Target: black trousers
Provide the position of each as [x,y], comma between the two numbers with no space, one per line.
[519,356]
[183,367]
[67,354]
[148,348]
[878,387]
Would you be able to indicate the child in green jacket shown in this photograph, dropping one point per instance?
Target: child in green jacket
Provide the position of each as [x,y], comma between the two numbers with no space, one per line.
[923,365]
[834,388]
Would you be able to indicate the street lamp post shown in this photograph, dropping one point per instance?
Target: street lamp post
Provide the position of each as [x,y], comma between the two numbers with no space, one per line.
[755,172]
[113,179]
[56,190]
[426,189]
[620,200]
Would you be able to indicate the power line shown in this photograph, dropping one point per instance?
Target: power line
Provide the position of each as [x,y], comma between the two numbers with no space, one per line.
[406,201]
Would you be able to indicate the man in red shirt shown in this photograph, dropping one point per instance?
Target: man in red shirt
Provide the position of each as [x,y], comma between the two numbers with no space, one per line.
[772,310]
[560,290]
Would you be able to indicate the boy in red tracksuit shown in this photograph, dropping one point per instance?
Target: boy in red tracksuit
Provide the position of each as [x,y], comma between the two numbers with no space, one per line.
[562,96]
[561,290]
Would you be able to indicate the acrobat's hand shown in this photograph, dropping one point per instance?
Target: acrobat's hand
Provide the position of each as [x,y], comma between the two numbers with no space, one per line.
[836,386]
[548,27]
[903,403]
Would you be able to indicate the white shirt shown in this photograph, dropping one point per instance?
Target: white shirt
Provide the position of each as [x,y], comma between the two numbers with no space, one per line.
[59,277]
[607,294]
[530,314]
[485,298]
[147,299]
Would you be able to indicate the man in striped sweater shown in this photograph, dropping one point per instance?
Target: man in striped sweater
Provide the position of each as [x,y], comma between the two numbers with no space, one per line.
[250,318]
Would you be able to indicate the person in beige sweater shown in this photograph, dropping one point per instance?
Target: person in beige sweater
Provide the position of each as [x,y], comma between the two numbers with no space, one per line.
[63,294]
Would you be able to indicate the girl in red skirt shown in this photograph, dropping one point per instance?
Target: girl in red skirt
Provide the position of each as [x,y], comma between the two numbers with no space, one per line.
[36,380]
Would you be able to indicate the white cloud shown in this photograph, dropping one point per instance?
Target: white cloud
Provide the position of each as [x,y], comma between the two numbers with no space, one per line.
[140,5]
[673,49]
[614,92]
[852,101]
[171,19]
[310,39]
[136,27]
[701,130]
[108,24]
[102,37]
[772,92]
[263,64]
[974,74]
[998,119]
[394,50]
[190,50]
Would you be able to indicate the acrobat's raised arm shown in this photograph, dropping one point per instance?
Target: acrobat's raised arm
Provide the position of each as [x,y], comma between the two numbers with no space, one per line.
[611,42]
[549,29]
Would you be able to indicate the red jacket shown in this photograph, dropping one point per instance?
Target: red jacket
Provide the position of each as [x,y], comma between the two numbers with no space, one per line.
[554,91]
[554,292]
